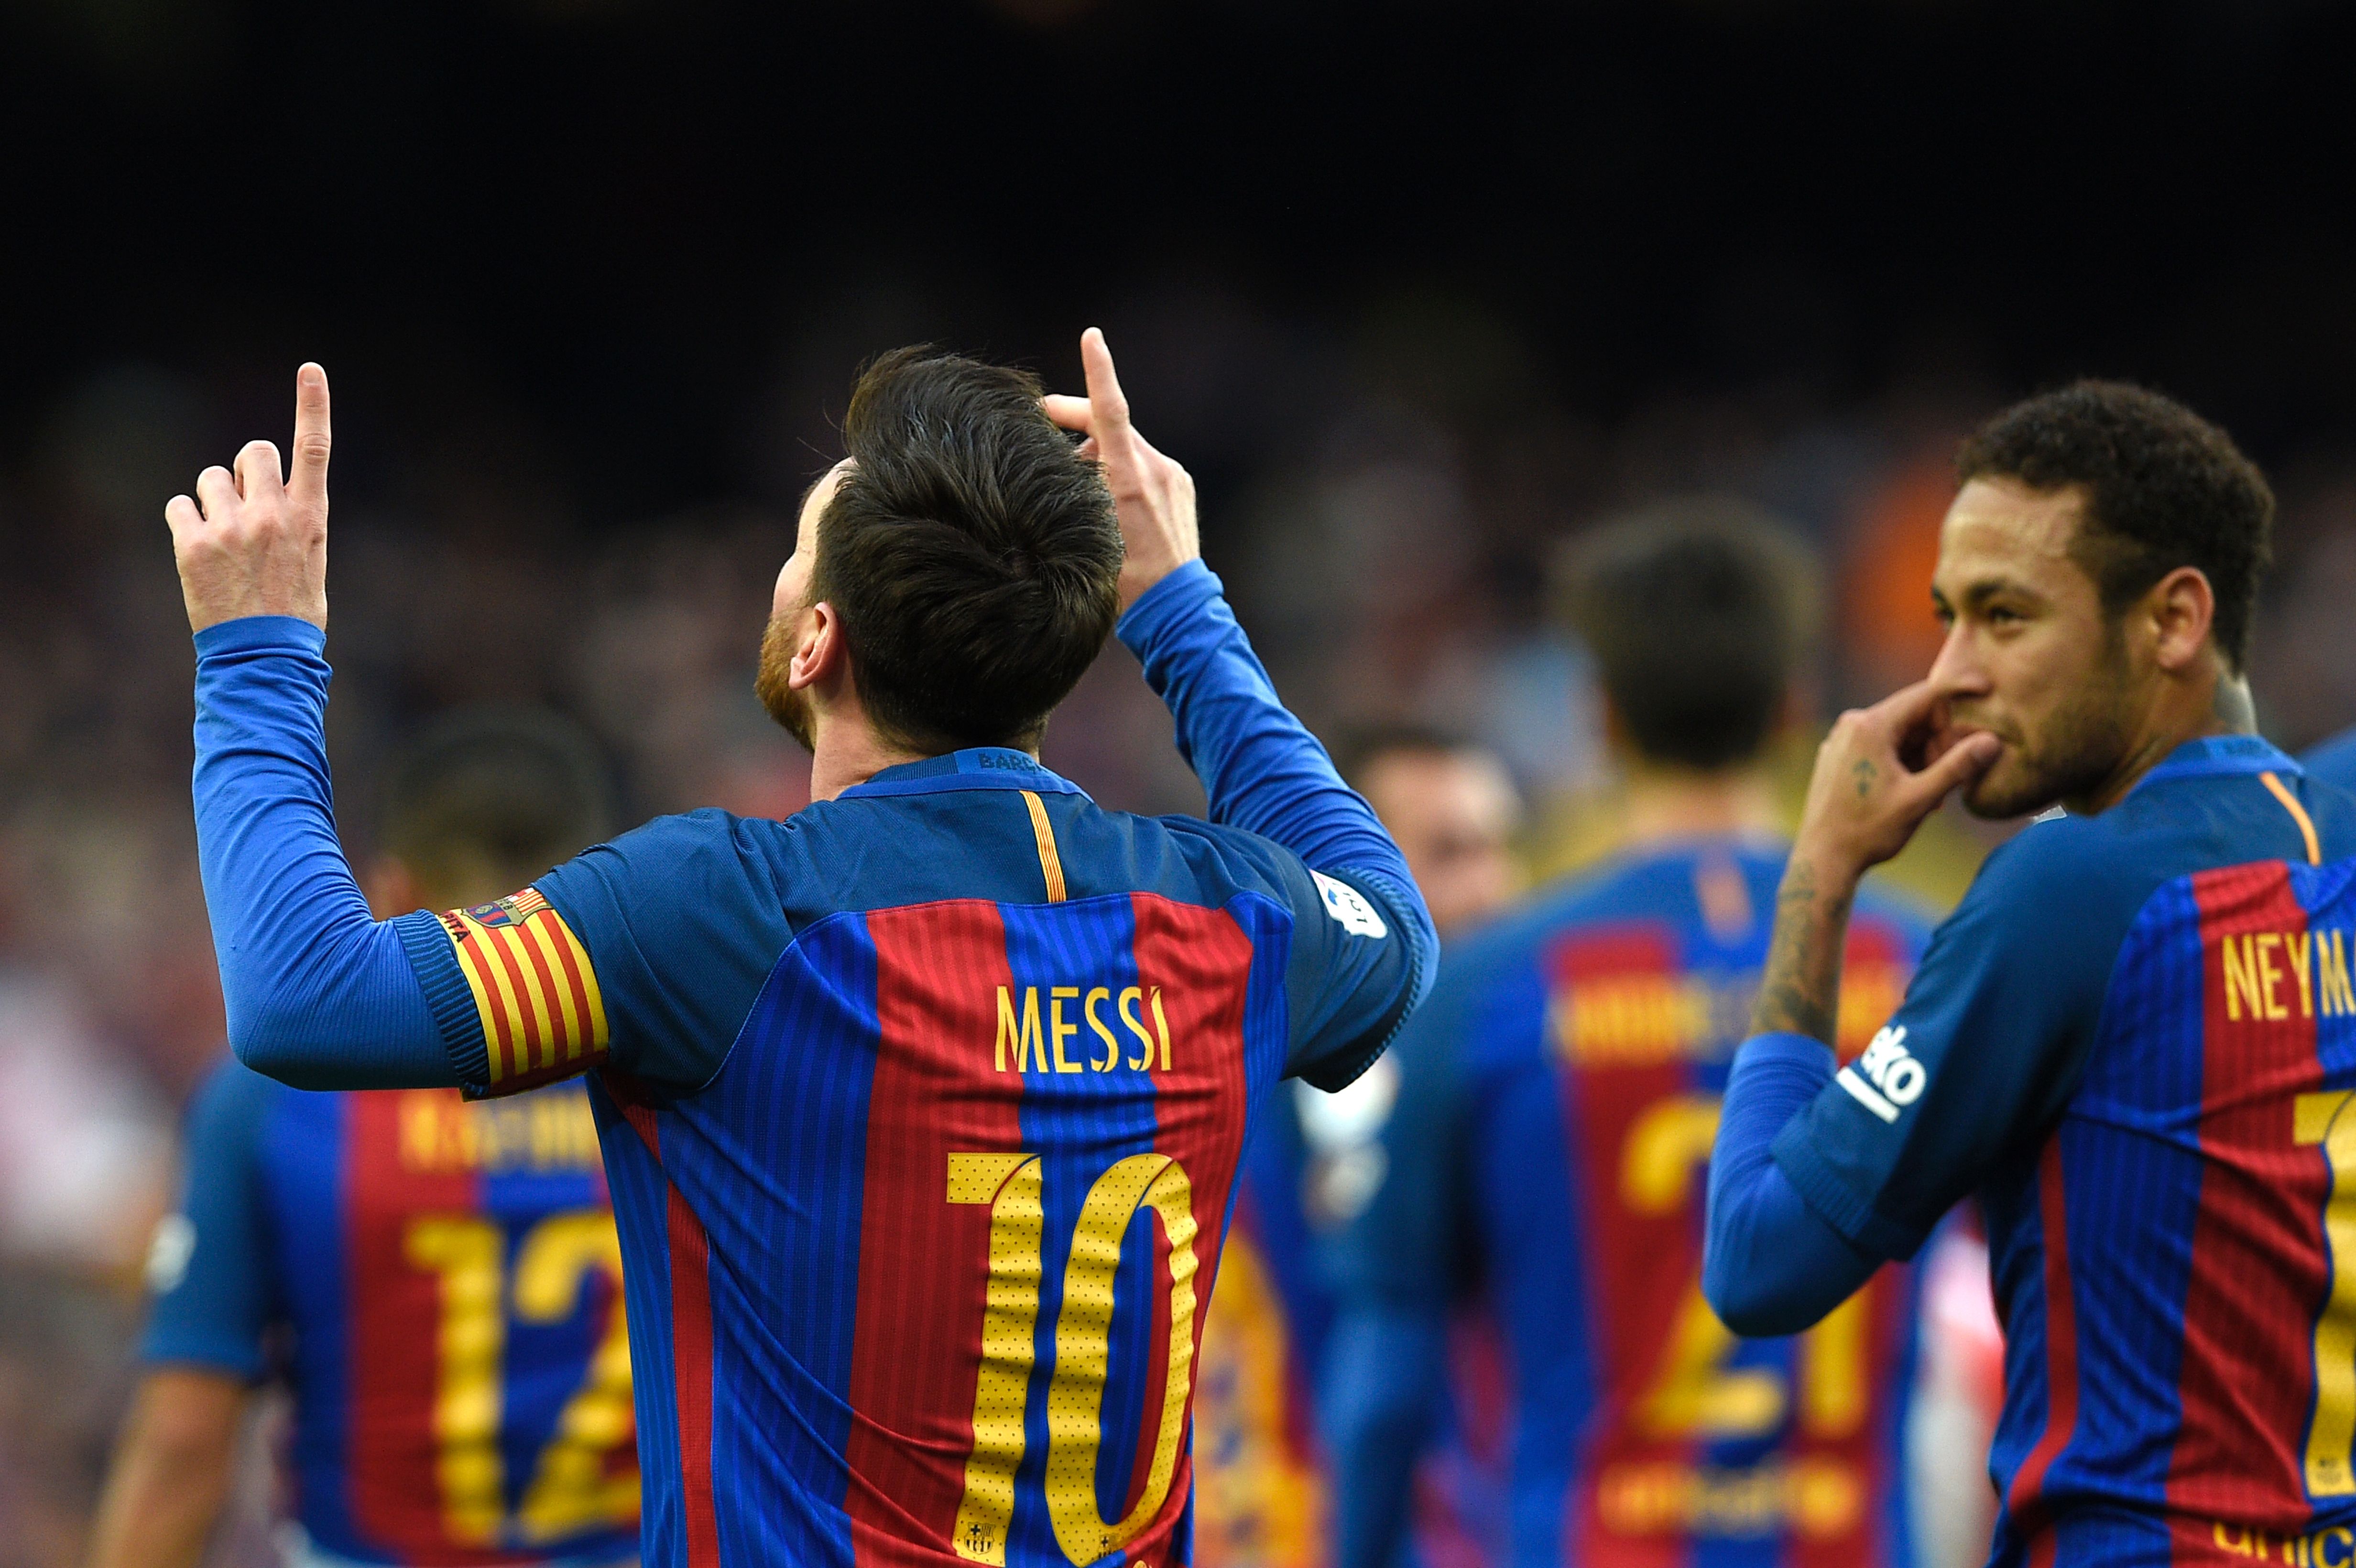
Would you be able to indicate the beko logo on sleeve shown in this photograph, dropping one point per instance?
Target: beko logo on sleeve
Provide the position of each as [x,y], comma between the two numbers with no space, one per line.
[1350,907]
[1886,1079]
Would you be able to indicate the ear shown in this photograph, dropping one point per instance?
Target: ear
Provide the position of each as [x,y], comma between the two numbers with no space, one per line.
[391,886]
[2182,607]
[821,654]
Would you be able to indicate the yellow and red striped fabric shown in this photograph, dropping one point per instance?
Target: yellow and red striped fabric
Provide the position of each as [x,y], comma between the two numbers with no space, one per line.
[542,1016]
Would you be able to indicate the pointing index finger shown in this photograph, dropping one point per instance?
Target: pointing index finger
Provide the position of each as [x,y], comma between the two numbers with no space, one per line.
[1106,406]
[313,436]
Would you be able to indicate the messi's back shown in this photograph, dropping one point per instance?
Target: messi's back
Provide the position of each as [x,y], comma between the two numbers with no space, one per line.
[962,1178]
[936,1223]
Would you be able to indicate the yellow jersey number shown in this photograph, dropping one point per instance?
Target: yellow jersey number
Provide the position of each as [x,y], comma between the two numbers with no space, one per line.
[570,1491]
[1693,1394]
[1013,1188]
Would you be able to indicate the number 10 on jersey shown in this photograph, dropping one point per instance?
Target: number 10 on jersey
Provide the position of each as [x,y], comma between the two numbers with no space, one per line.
[1013,1186]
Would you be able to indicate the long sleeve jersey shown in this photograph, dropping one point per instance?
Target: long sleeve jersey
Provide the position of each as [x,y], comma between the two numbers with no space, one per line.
[921,1110]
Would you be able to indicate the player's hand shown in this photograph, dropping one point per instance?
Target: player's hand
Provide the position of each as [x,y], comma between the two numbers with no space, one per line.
[1865,799]
[1153,495]
[252,543]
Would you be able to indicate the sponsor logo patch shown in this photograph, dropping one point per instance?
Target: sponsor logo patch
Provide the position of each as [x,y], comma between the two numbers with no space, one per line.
[1887,1078]
[1347,905]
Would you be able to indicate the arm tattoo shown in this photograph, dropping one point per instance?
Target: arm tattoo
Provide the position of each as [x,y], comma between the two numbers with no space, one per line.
[1800,993]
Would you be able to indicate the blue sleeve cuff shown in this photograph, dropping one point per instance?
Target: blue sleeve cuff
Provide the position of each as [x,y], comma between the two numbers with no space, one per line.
[1166,603]
[1822,1189]
[448,998]
[1801,1050]
[262,634]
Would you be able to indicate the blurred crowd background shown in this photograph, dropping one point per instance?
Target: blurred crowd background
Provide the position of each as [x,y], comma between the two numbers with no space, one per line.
[1419,291]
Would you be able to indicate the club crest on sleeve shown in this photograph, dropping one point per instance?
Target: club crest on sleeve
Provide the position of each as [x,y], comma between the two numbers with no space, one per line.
[512,909]
[1350,907]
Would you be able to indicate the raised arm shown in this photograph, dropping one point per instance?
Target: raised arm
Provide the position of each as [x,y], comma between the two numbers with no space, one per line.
[318,994]
[1260,767]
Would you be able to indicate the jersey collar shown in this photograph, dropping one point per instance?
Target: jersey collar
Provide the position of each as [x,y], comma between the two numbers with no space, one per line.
[2215,755]
[977,767]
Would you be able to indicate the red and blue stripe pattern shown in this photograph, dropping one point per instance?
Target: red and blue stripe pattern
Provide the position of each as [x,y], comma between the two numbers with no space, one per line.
[2182,1348]
[937,1245]
[1702,1448]
[453,1277]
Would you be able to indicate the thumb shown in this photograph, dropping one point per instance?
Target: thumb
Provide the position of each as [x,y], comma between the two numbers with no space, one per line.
[1965,760]
[313,438]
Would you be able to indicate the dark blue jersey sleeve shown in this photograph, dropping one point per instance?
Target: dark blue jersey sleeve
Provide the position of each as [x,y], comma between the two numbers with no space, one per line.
[209,1265]
[1985,1048]
[1771,1264]
[318,994]
[1363,946]
[682,920]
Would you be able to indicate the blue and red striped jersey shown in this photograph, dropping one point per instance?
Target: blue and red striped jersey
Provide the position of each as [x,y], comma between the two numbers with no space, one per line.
[2135,1038]
[923,1111]
[439,1283]
[1559,1092]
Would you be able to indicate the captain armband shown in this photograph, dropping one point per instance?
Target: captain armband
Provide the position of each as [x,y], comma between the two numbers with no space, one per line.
[543,1017]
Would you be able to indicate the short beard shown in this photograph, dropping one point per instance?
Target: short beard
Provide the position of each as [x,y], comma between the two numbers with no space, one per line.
[2078,750]
[772,683]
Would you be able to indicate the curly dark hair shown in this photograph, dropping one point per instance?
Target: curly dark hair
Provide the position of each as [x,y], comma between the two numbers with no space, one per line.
[972,552]
[2164,488]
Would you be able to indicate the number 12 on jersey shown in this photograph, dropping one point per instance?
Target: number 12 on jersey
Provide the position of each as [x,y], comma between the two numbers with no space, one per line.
[1013,1186]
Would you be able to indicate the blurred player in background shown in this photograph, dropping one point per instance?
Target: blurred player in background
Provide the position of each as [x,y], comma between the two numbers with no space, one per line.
[2334,761]
[1557,1096]
[1453,809]
[922,1110]
[2136,1038]
[438,1283]
[1261,1492]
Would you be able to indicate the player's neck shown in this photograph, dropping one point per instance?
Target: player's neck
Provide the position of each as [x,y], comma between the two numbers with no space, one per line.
[847,750]
[1665,804]
[2217,707]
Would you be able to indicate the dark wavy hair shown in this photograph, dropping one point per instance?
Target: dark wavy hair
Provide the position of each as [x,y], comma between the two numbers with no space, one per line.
[972,554]
[1700,615]
[2164,488]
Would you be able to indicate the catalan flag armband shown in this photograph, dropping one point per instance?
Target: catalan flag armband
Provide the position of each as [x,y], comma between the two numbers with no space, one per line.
[542,1016]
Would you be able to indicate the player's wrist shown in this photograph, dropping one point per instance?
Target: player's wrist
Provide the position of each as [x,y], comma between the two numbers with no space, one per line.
[1829,866]
[1140,575]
